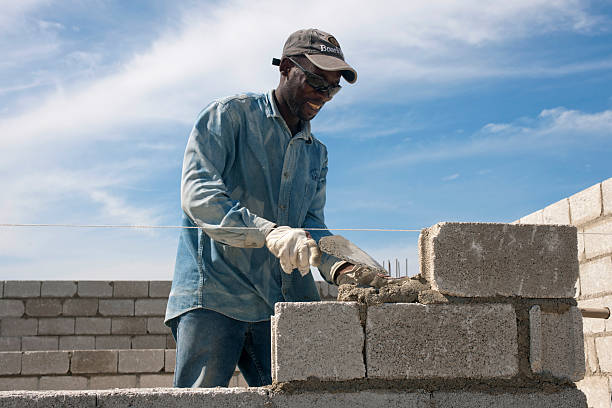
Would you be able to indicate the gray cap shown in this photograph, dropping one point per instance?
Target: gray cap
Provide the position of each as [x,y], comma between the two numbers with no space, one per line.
[322,49]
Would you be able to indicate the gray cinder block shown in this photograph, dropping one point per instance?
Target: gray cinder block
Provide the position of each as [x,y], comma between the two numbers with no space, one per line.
[93,325]
[16,383]
[317,339]
[141,361]
[80,307]
[98,289]
[77,342]
[56,326]
[13,326]
[113,342]
[570,398]
[363,399]
[155,325]
[21,289]
[10,363]
[130,289]
[129,325]
[58,289]
[156,380]
[39,399]
[150,307]
[116,307]
[43,307]
[33,343]
[556,343]
[482,260]
[10,343]
[94,361]
[159,289]
[169,361]
[410,341]
[104,382]
[72,382]
[45,362]
[11,308]
[184,398]
[149,341]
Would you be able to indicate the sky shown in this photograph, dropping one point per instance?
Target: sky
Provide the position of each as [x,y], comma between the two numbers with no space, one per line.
[463,111]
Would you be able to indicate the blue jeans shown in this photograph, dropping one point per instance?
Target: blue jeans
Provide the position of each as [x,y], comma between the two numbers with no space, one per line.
[209,345]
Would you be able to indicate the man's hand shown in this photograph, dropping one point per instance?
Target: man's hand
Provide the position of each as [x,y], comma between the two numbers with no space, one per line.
[295,249]
[361,275]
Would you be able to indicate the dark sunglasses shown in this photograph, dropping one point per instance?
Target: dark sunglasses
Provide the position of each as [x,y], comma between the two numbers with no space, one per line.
[317,82]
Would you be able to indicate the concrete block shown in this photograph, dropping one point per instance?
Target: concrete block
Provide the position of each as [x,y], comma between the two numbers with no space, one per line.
[581,252]
[317,339]
[482,260]
[606,195]
[72,382]
[93,325]
[56,325]
[40,399]
[16,383]
[410,341]
[607,301]
[45,362]
[596,276]
[10,363]
[10,343]
[533,218]
[585,206]
[113,342]
[604,353]
[155,325]
[333,291]
[170,342]
[590,355]
[159,289]
[21,289]
[1,289]
[80,307]
[77,343]
[363,399]
[169,360]
[156,380]
[141,361]
[105,382]
[129,325]
[43,307]
[11,308]
[58,289]
[150,307]
[557,213]
[149,342]
[591,326]
[598,238]
[130,289]
[34,343]
[596,390]
[94,361]
[556,345]
[13,326]
[116,307]
[98,289]
[569,398]
[187,398]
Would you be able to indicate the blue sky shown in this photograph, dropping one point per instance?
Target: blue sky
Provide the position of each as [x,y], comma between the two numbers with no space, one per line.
[463,111]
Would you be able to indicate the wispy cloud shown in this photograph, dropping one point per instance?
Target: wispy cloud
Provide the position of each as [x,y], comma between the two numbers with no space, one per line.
[451,177]
[554,129]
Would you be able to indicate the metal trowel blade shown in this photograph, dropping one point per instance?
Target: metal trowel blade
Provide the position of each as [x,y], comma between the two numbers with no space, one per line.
[344,249]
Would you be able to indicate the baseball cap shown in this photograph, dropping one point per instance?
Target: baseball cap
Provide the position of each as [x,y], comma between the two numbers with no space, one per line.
[321,48]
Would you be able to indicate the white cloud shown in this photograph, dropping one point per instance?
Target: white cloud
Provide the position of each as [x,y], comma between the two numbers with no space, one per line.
[553,129]
[451,177]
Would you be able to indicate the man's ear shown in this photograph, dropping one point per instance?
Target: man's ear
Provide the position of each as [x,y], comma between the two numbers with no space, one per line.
[285,66]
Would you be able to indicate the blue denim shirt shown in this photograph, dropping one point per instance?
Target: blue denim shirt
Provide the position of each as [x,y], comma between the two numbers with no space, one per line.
[242,168]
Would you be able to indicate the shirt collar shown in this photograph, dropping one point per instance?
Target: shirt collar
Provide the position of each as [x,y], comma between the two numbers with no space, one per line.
[272,111]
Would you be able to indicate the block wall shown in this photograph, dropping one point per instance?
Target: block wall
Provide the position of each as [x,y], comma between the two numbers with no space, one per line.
[591,212]
[89,334]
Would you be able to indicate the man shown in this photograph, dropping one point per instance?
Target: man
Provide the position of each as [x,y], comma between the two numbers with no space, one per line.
[253,180]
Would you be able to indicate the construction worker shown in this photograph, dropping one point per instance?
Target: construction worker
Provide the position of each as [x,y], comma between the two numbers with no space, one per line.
[253,179]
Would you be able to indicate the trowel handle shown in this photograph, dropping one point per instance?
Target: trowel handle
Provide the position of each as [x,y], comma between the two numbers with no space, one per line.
[595,313]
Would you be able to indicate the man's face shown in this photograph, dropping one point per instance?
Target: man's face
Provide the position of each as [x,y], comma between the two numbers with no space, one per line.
[303,100]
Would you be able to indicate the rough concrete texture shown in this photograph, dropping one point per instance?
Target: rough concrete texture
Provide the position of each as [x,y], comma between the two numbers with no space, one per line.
[604,353]
[557,213]
[363,399]
[606,194]
[317,339]
[58,289]
[597,238]
[405,290]
[21,289]
[570,398]
[40,399]
[485,260]
[410,341]
[596,390]
[585,206]
[556,343]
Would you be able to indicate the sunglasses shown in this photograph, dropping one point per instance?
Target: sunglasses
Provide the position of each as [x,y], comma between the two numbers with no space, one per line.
[317,82]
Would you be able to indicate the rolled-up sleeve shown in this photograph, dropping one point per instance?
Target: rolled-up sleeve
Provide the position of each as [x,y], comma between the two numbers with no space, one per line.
[205,198]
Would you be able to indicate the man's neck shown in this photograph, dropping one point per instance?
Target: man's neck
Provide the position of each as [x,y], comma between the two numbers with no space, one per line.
[293,122]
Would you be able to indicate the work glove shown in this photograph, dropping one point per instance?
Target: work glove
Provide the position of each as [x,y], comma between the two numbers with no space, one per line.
[362,275]
[294,249]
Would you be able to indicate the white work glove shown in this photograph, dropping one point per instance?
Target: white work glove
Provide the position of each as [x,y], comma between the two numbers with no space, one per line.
[294,249]
[361,275]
